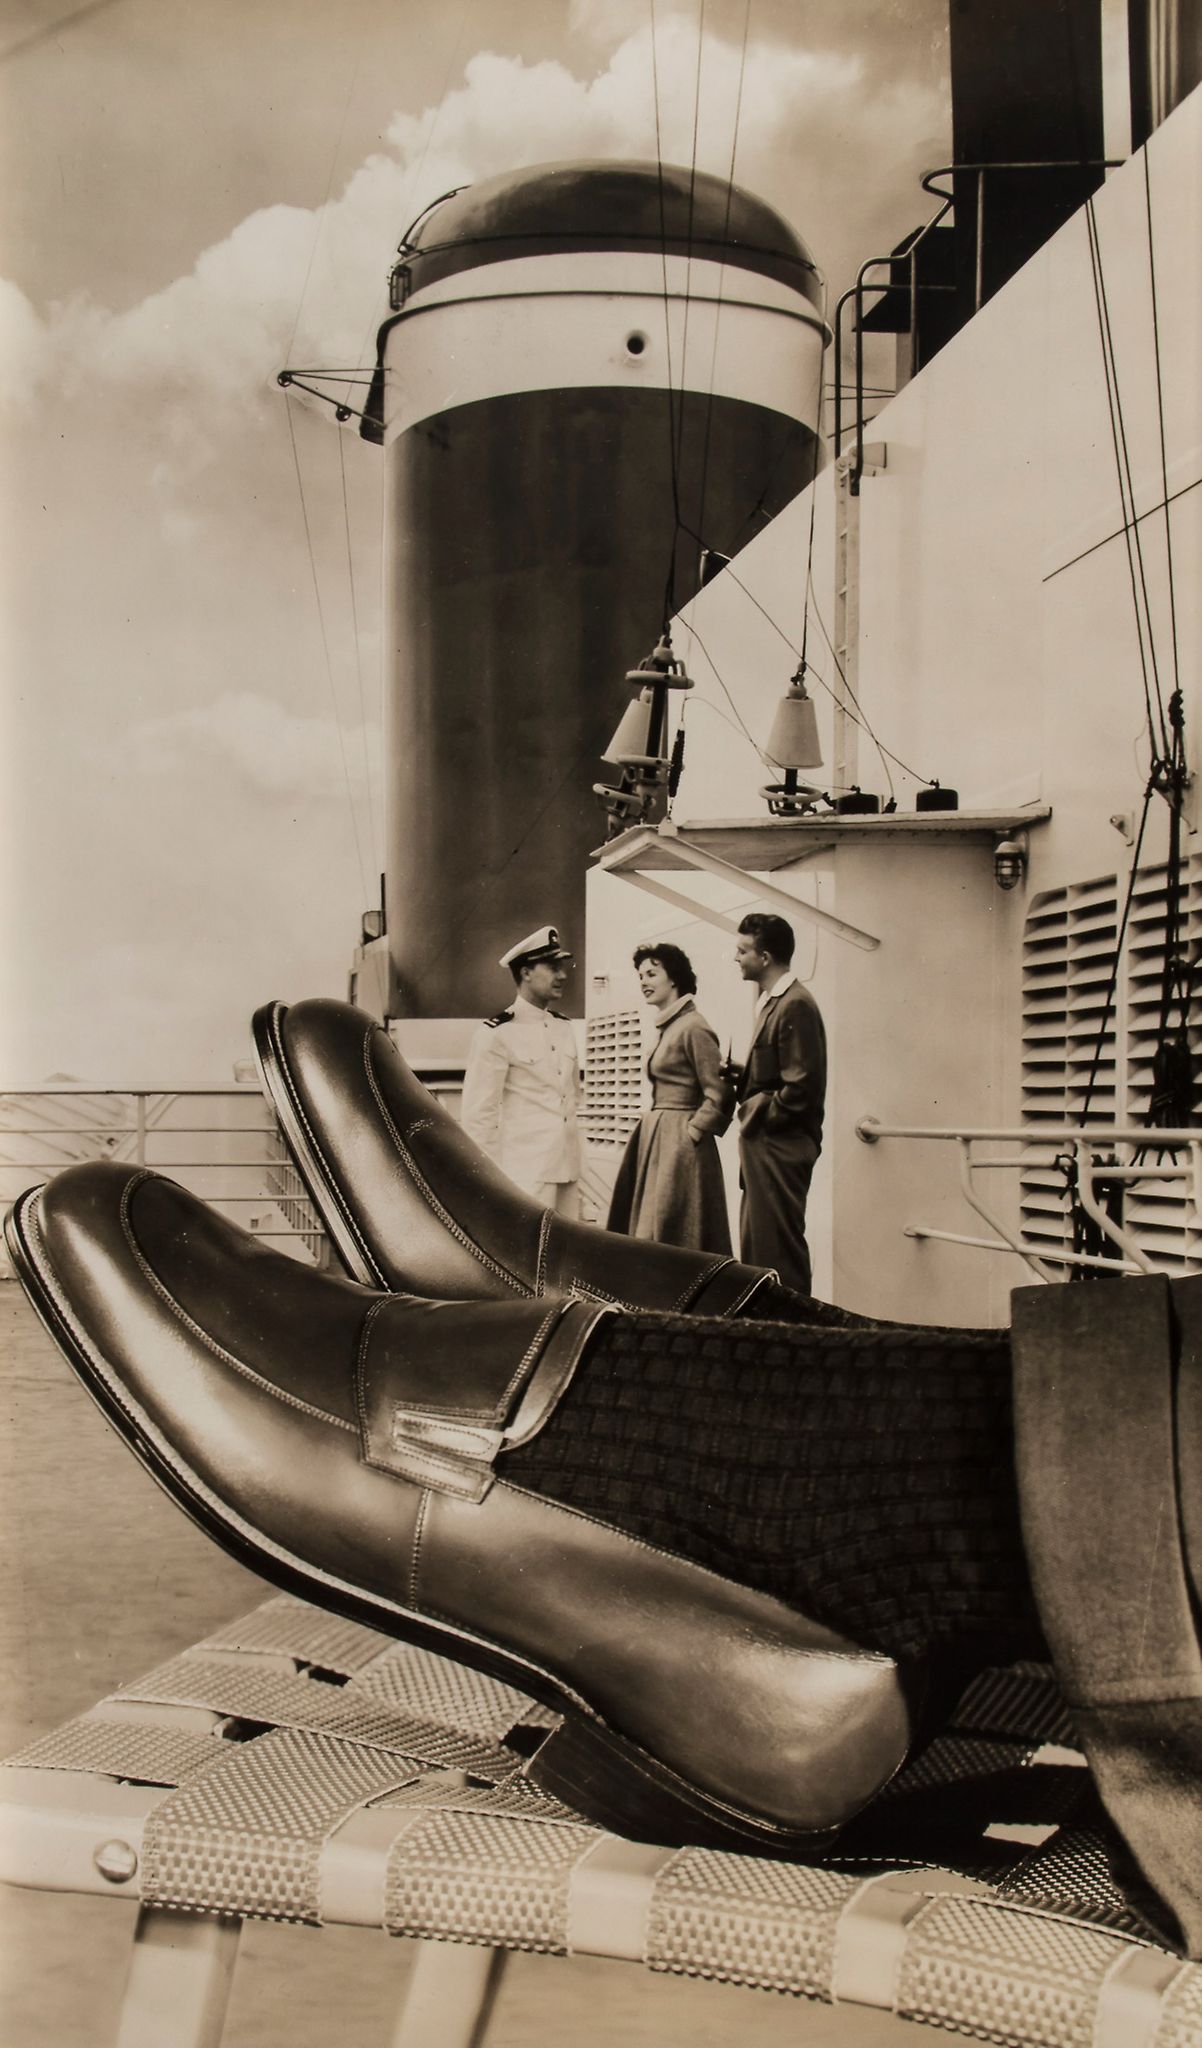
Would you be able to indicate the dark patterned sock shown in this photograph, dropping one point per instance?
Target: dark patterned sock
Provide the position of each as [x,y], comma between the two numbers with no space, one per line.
[773,1303]
[864,1475]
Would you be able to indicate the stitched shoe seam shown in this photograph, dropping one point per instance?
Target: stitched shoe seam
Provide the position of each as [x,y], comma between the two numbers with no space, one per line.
[239,1365]
[445,1218]
[298,1107]
[763,1279]
[587,1291]
[544,1244]
[698,1286]
[536,1344]
[415,1548]
[361,1365]
[564,1378]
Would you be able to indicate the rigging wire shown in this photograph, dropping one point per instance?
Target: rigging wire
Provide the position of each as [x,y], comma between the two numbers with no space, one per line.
[857,714]
[325,643]
[1131,534]
[1171,1094]
[1164,461]
[730,189]
[413,175]
[808,595]
[1167,773]
[669,606]
[350,577]
[1173,1062]
[319,225]
[1112,985]
[741,726]
[688,268]
[721,681]
[358,377]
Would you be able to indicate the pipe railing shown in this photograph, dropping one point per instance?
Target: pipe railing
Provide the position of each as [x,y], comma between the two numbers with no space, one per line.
[1067,1141]
[908,252]
[143,1131]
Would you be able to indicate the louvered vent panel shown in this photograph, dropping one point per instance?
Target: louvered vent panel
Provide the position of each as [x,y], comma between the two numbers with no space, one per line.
[613,1077]
[1089,1037]
[1159,1209]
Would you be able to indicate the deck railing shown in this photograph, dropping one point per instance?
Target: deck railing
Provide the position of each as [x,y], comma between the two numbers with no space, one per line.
[223,1144]
[1091,1159]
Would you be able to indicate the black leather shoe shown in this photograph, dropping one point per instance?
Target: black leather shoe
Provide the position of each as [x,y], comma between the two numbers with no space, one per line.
[411,1203]
[344,1445]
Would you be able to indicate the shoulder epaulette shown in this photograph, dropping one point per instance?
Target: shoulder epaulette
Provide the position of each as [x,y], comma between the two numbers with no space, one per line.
[502,1017]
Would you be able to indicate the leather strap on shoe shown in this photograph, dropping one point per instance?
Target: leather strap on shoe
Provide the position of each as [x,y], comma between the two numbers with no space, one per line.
[443,1387]
[1097,1383]
[637,1272]
[731,1288]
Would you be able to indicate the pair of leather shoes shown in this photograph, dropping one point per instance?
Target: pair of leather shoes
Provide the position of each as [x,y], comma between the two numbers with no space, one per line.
[347,1442]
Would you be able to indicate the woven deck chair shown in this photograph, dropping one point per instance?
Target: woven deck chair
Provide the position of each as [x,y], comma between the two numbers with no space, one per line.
[298,1767]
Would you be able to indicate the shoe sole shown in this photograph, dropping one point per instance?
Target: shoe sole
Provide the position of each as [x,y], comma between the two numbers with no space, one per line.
[272,1062]
[590,1766]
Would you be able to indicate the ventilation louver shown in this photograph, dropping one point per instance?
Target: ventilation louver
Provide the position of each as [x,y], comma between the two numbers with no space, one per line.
[1076,1053]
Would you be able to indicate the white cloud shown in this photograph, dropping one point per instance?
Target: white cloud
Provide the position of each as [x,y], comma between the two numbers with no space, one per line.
[156,550]
[271,750]
[812,140]
[22,343]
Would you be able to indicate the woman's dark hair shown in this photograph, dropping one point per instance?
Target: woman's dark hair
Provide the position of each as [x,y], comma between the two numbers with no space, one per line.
[676,965]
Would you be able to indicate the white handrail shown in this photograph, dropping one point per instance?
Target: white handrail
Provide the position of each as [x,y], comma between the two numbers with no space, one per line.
[141,1126]
[1168,1137]
[1086,1142]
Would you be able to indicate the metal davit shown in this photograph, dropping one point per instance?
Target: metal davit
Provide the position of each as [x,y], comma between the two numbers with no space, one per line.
[592,371]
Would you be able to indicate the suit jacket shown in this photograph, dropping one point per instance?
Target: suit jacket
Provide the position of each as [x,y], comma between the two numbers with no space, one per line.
[782,1088]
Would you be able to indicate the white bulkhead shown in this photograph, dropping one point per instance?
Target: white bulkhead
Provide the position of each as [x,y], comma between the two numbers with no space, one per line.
[998,651]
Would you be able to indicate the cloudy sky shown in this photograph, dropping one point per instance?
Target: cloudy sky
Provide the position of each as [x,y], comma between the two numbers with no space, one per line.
[196,192]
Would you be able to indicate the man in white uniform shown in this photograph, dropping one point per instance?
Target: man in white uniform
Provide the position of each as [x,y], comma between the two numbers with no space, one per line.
[521,1089]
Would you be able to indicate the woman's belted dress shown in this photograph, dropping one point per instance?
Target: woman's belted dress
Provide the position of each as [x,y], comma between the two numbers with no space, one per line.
[669,1185]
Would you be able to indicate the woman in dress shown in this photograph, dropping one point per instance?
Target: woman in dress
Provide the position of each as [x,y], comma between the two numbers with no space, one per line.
[669,1185]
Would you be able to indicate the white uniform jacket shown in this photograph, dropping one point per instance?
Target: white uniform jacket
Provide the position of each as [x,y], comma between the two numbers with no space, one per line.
[521,1091]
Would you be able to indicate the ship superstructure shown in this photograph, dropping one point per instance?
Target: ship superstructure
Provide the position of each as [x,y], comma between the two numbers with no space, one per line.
[599,395]
[1026,530]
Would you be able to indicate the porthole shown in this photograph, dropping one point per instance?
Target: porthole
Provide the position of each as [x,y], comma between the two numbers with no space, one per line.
[636,343]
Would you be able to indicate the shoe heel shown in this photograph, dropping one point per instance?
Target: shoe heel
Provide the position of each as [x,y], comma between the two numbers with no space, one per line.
[622,1789]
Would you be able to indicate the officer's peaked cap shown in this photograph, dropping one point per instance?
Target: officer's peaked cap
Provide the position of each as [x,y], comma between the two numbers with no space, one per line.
[540,945]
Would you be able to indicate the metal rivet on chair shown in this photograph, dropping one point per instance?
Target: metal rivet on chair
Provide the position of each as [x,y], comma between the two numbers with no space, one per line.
[116,1862]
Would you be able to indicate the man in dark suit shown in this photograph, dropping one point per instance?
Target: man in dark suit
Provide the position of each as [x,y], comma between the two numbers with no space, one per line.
[780,1094]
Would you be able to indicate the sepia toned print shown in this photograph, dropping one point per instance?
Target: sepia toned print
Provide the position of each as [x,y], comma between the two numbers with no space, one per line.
[627,474]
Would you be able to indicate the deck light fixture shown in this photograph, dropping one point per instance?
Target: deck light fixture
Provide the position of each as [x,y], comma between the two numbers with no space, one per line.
[640,745]
[793,744]
[1010,860]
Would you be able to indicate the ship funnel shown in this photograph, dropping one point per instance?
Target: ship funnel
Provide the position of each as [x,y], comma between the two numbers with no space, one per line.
[593,372]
